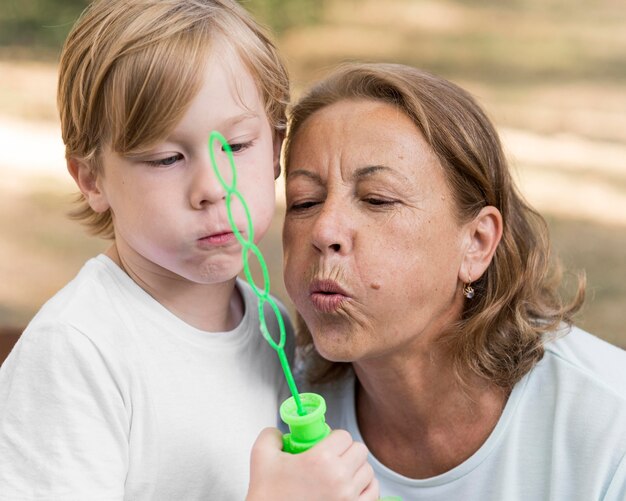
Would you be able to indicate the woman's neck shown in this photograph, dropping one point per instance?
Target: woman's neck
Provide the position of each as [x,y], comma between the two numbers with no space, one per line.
[417,420]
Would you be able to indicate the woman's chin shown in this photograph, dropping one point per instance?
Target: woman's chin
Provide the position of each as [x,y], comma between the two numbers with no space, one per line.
[336,351]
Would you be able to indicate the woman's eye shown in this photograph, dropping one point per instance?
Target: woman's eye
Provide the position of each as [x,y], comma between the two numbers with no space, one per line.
[300,206]
[378,201]
[166,162]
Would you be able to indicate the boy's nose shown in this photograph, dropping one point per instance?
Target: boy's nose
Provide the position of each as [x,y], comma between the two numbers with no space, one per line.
[205,186]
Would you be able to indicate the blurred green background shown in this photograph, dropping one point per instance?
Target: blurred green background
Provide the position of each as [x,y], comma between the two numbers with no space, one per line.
[550,73]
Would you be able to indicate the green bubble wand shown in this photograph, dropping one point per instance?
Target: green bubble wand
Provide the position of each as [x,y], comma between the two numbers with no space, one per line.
[303,413]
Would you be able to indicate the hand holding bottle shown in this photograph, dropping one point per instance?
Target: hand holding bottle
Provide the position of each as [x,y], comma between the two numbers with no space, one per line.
[336,469]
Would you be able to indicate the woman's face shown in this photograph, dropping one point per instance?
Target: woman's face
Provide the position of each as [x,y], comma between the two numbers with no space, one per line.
[372,248]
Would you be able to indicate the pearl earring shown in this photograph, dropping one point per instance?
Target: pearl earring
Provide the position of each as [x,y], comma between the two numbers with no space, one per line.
[468,290]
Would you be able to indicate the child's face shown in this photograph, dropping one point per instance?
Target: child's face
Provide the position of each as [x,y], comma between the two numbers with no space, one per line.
[169,210]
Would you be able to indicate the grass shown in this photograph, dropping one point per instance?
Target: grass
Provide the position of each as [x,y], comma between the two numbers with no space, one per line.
[41,250]
[598,251]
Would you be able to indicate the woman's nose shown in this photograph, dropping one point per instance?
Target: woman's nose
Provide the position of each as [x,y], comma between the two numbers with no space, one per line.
[205,186]
[333,230]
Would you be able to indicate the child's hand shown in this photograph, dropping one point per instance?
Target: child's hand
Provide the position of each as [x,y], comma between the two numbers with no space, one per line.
[336,469]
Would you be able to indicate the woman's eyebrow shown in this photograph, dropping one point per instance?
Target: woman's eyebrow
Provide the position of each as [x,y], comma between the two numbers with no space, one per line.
[370,170]
[358,174]
[305,173]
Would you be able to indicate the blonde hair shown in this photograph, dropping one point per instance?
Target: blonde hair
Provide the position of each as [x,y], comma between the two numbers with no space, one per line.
[502,330]
[130,68]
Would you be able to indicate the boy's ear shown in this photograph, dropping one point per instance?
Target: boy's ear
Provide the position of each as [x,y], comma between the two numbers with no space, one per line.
[88,183]
[484,234]
[279,137]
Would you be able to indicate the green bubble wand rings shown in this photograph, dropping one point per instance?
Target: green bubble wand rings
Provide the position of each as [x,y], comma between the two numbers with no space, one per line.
[304,413]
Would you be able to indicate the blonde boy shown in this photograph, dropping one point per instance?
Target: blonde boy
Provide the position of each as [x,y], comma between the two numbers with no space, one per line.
[146,376]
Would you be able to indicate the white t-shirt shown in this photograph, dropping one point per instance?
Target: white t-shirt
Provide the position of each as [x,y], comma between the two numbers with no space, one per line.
[562,435]
[107,395]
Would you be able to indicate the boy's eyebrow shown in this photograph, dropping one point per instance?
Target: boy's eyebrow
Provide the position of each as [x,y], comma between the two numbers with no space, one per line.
[249,115]
[223,125]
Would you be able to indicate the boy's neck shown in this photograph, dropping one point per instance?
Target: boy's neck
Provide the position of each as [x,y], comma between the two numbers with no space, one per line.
[208,307]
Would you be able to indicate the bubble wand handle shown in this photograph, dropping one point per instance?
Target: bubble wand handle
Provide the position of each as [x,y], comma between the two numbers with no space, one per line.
[248,246]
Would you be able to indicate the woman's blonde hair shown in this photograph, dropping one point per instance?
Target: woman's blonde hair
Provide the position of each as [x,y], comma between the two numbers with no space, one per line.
[130,68]
[500,336]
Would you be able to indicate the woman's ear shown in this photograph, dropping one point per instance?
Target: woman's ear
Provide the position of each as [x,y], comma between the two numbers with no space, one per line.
[88,183]
[278,146]
[484,234]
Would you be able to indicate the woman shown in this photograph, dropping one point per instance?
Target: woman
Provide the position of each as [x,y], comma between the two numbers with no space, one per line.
[433,324]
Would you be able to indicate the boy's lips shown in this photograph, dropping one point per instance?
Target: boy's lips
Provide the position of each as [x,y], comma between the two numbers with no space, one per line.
[327,295]
[217,239]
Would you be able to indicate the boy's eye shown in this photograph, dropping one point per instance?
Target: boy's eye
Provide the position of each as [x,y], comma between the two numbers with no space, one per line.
[237,147]
[167,161]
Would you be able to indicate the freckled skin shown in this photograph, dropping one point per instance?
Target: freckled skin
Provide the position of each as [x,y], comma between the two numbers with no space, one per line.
[368,206]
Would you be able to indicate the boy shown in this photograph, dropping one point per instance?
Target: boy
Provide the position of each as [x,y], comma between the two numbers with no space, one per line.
[146,377]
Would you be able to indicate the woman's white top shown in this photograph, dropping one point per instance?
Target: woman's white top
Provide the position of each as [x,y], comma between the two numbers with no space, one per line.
[561,437]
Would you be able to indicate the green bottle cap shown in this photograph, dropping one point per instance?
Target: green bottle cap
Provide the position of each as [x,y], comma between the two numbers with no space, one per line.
[308,429]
